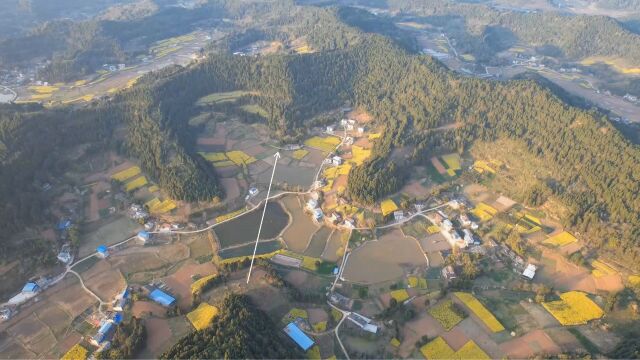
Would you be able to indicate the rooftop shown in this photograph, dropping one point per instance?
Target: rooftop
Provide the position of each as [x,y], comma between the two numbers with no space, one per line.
[300,338]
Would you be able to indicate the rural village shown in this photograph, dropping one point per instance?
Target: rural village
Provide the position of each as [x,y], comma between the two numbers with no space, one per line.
[447,267]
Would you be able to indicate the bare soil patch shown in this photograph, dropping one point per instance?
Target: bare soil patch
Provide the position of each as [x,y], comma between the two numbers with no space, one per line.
[180,282]
[143,309]
[530,344]
[158,335]
[415,329]
[104,280]
[415,189]
[434,242]
[335,247]
[476,193]
[360,116]
[476,332]
[231,188]
[298,234]
[384,260]
[318,242]
[317,315]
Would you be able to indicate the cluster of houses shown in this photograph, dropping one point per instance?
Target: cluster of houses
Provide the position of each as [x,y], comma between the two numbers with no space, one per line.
[461,236]
[107,326]
[334,218]
[29,291]
[113,67]
[347,125]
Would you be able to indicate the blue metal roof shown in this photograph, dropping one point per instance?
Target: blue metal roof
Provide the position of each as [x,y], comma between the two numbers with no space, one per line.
[143,235]
[125,293]
[64,224]
[162,297]
[298,336]
[102,249]
[105,327]
[30,287]
[117,318]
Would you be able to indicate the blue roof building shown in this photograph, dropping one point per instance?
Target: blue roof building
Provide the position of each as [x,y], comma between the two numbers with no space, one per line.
[144,236]
[162,297]
[103,333]
[31,287]
[64,224]
[117,318]
[298,336]
[103,251]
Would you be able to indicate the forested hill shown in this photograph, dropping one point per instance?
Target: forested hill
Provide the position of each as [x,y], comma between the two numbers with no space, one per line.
[573,37]
[240,331]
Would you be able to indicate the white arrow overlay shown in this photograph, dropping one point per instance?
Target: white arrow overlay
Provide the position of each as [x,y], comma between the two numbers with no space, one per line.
[264,211]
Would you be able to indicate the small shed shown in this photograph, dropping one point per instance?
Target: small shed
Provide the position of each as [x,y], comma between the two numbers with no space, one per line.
[103,251]
[144,236]
[299,337]
[529,272]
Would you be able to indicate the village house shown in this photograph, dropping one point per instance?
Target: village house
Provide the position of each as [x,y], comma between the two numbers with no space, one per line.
[448,273]
[330,129]
[398,215]
[102,251]
[363,322]
[336,160]
[529,272]
[312,204]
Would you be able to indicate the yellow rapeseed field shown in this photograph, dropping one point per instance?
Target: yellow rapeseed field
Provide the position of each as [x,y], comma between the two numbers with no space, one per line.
[320,326]
[634,280]
[202,316]
[359,154]
[42,89]
[482,166]
[394,342]
[471,350]
[400,295]
[294,314]
[77,352]
[452,161]
[154,188]
[223,164]
[601,269]
[314,353]
[437,349]
[574,308]
[433,229]
[214,156]
[374,136]
[197,285]
[561,239]
[326,144]
[480,311]
[164,206]
[126,174]
[300,154]
[228,216]
[136,183]
[388,206]
[239,157]
[152,204]
[446,314]
[484,212]
[417,282]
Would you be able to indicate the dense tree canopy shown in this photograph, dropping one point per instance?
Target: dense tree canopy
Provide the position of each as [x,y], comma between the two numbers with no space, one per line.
[240,331]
